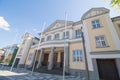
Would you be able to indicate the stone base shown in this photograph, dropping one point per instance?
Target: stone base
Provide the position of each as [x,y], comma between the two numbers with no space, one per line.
[21,65]
[82,74]
[58,65]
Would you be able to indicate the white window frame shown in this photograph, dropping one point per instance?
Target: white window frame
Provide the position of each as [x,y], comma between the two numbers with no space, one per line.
[67,35]
[78,56]
[48,38]
[101,41]
[42,39]
[95,24]
[78,33]
[57,36]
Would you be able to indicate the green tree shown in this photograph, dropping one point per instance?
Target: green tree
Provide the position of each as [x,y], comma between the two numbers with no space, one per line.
[115,3]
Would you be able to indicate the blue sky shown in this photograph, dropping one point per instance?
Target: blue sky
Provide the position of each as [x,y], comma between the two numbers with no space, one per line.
[28,15]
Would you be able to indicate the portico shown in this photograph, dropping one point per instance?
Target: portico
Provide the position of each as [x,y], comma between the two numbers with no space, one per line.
[51,58]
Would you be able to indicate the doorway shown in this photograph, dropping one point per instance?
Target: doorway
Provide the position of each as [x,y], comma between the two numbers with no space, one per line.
[16,62]
[107,69]
[45,60]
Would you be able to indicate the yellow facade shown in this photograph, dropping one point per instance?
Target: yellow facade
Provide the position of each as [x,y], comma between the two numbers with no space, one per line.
[104,30]
[117,28]
[75,65]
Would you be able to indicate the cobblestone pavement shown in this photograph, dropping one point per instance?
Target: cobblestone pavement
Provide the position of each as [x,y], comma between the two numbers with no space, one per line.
[23,74]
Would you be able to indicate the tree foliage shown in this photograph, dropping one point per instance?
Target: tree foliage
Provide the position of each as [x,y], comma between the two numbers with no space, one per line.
[115,3]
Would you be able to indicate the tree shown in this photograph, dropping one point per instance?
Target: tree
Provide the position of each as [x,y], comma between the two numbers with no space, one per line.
[115,3]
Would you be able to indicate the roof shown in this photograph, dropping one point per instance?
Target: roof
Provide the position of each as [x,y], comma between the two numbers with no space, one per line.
[95,12]
[115,18]
[58,21]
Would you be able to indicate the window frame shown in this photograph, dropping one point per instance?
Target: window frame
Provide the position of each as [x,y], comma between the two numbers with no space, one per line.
[49,38]
[77,56]
[95,25]
[67,35]
[42,39]
[55,36]
[101,41]
[78,33]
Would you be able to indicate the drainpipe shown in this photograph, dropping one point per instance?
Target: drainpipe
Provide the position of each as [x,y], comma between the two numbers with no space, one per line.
[85,55]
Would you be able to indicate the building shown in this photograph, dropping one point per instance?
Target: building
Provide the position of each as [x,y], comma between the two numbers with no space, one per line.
[1,54]
[27,41]
[9,52]
[102,44]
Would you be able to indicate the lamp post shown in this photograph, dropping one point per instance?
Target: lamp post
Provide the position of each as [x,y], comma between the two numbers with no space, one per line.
[85,55]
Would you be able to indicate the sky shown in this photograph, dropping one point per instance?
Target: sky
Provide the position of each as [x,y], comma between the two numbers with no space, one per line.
[20,16]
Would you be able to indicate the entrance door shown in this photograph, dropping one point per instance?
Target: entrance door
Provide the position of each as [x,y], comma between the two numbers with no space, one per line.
[107,69]
[16,62]
[45,60]
[62,59]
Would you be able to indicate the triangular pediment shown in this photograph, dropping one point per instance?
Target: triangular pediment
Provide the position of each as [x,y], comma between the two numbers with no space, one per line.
[95,12]
[57,24]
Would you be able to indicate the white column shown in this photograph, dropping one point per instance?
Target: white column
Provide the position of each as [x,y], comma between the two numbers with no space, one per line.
[40,59]
[50,64]
[58,59]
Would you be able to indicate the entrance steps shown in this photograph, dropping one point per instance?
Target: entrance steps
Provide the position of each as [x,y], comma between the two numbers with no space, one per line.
[43,69]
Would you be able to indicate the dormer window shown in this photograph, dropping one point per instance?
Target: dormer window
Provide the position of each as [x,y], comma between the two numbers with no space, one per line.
[96,24]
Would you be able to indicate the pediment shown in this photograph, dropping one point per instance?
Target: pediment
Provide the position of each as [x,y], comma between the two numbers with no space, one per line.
[94,12]
[57,24]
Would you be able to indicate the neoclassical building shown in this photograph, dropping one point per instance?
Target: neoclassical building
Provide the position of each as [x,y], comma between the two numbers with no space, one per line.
[27,41]
[59,46]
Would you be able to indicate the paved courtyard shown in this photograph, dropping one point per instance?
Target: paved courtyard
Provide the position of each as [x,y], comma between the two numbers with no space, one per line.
[23,74]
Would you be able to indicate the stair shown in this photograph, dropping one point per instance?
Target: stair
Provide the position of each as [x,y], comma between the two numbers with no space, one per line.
[43,69]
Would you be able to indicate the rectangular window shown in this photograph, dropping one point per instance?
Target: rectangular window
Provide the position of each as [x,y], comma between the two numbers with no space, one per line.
[78,56]
[42,39]
[101,41]
[96,24]
[30,57]
[119,26]
[48,38]
[56,36]
[67,35]
[33,43]
[78,33]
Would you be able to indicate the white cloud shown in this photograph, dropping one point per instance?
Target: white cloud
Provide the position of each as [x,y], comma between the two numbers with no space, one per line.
[4,24]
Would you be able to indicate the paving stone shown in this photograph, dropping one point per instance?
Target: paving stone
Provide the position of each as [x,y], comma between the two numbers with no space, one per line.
[32,75]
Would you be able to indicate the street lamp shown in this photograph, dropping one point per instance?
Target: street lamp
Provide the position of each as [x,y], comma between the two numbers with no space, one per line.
[85,55]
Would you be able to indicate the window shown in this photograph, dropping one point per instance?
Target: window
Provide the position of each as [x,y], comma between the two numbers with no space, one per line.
[33,43]
[30,56]
[96,24]
[78,56]
[78,33]
[119,26]
[42,39]
[23,42]
[21,51]
[101,41]
[67,35]
[56,36]
[48,38]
